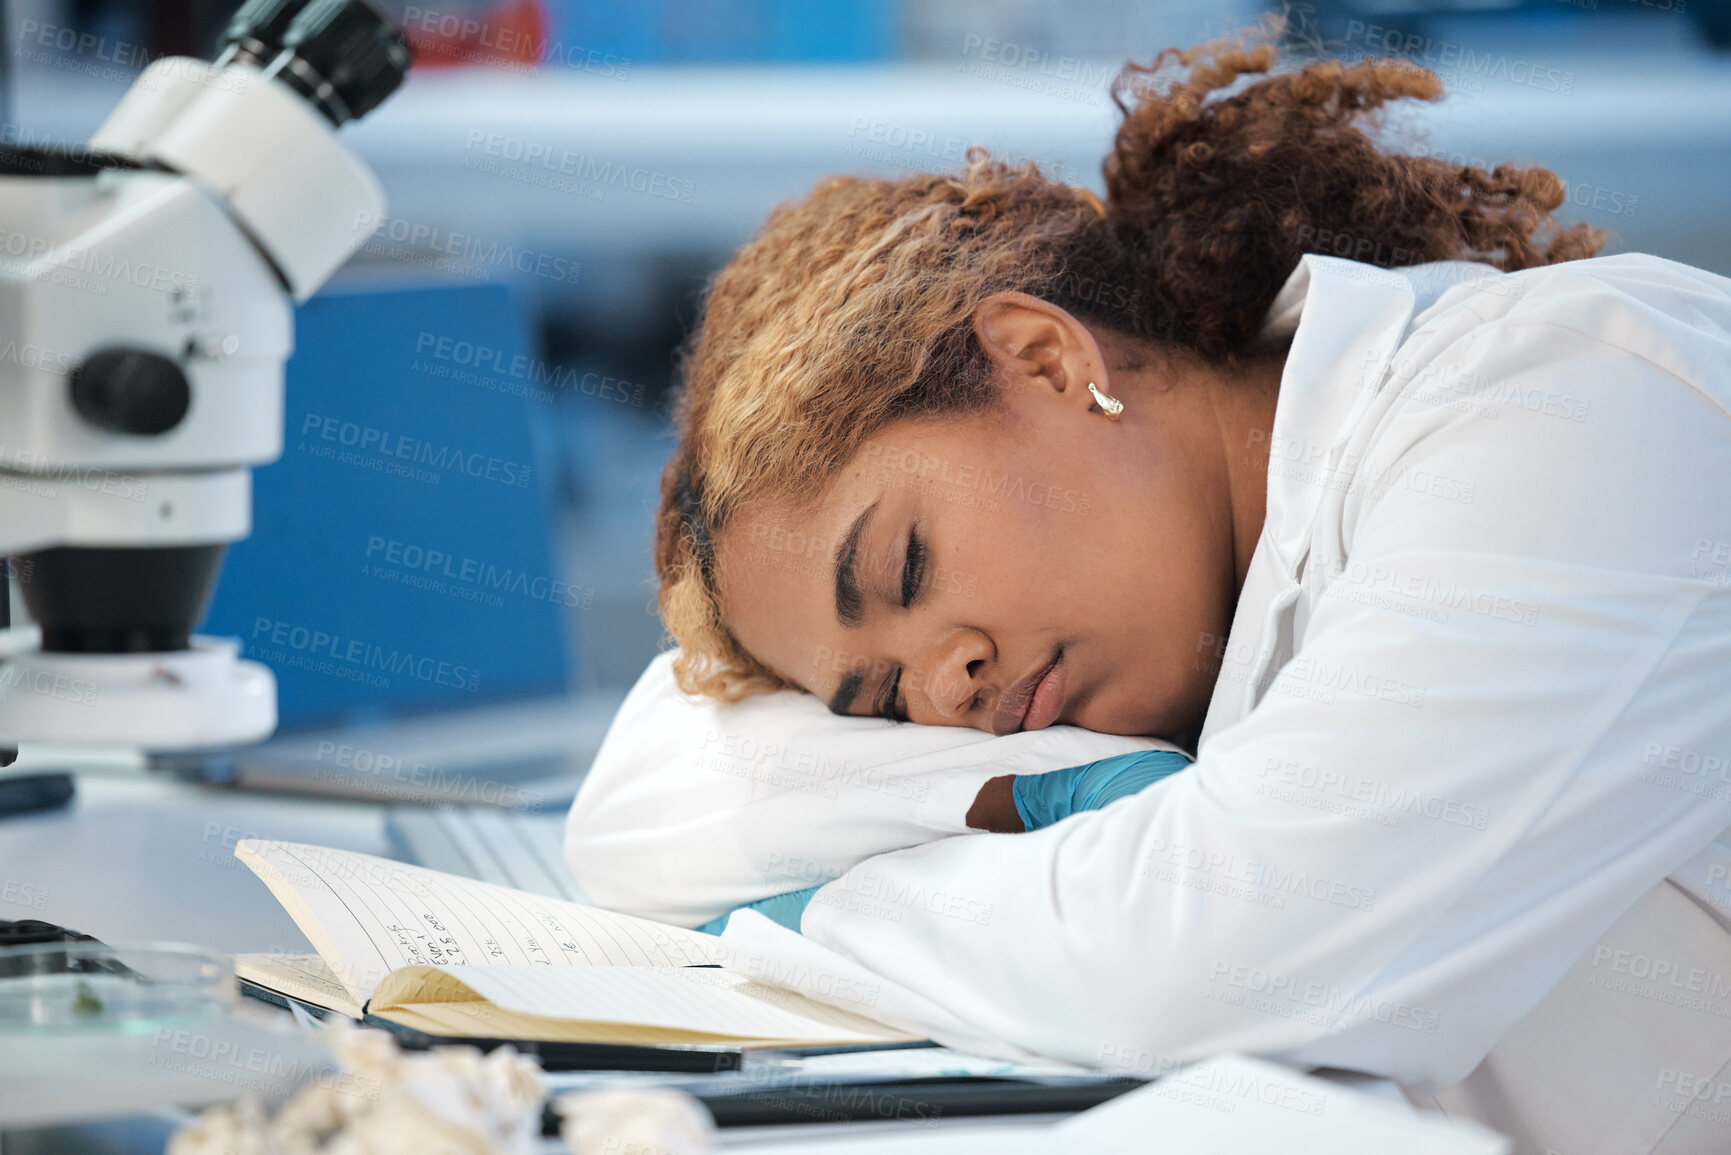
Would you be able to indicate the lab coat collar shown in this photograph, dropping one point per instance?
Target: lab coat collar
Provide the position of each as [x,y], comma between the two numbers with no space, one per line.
[1347,319]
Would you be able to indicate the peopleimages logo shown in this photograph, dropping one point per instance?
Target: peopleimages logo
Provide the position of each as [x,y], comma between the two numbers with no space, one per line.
[1308,785]
[474,41]
[61,687]
[26,470]
[1327,1006]
[455,250]
[299,645]
[1039,62]
[473,571]
[580,166]
[521,367]
[971,479]
[19,249]
[1459,63]
[390,445]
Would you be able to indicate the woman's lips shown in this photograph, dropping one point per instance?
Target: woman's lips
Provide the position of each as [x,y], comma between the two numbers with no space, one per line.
[1034,702]
[1048,700]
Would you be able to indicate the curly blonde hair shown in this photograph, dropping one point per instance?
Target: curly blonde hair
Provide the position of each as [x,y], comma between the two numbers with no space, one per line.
[853,308]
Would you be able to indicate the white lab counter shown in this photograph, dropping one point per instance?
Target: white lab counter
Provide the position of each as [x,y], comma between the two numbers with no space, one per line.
[138,856]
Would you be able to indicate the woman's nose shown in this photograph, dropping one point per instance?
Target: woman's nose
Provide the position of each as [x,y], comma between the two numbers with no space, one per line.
[954,670]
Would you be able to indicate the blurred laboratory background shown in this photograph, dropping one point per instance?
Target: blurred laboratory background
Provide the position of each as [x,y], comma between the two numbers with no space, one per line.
[563,175]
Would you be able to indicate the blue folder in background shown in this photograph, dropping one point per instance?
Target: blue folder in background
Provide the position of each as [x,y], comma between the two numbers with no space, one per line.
[400,559]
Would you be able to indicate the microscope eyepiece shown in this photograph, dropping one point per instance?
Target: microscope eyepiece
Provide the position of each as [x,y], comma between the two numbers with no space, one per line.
[255,34]
[343,56]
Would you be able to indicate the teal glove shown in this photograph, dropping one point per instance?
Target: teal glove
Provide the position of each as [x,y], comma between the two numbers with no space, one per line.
[1042,799]
[783,908]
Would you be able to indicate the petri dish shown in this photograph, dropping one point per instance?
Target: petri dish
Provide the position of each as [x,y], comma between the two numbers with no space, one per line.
[92,988]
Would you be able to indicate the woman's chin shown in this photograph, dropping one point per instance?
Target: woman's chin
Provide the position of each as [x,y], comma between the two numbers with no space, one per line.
[1128,721]
[1132,717]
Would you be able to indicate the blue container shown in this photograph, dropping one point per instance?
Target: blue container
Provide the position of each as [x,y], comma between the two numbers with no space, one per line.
[400,558]
[724,31]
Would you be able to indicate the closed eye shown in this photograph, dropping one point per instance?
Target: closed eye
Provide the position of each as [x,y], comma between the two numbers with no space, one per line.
[887,706]
[914,568]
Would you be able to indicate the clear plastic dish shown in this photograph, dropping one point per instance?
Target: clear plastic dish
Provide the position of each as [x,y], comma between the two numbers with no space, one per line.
[92,988]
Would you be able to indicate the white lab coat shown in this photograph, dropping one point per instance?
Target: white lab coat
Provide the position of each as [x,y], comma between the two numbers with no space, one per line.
[1454,811]
[693,807]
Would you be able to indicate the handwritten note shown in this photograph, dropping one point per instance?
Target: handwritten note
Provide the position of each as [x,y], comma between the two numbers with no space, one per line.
[369,916]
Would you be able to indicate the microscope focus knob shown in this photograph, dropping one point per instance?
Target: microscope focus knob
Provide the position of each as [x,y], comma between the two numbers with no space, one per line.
[130,391]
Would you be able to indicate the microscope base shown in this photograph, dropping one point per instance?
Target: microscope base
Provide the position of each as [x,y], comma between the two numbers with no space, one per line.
[179,700]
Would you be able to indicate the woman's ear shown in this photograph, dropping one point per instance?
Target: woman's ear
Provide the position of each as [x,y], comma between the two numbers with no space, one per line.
[1034,343]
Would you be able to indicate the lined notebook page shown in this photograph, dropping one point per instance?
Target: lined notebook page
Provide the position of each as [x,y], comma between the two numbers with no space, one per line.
[300,976]
[714,1002]
[369,916]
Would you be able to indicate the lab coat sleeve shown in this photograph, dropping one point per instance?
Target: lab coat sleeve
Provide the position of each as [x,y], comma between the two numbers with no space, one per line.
[1428,815]
[695,807]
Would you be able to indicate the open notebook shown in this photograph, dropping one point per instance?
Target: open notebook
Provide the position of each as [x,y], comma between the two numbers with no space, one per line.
[454,957]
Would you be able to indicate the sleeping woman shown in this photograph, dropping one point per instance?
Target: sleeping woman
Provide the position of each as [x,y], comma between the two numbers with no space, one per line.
[1354,473]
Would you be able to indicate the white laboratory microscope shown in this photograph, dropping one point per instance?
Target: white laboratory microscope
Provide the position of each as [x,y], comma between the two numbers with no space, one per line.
[146,312]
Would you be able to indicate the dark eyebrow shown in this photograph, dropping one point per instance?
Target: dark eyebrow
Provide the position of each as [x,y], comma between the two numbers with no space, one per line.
[849,606]
[846,692]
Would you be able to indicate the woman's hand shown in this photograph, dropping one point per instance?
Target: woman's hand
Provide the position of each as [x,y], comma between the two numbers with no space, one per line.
[995,808]
[1013,803]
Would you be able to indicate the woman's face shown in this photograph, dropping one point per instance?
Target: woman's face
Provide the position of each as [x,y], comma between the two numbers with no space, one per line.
[1008,570]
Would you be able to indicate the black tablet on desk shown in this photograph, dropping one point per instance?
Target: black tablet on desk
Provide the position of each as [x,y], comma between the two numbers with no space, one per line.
[781,1097]
[557,1055]
[553,1056]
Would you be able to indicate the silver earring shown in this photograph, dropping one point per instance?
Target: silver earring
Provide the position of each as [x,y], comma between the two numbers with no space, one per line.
[1111,406]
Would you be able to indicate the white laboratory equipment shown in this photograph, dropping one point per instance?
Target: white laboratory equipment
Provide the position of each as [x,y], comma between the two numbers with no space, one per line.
[147,286]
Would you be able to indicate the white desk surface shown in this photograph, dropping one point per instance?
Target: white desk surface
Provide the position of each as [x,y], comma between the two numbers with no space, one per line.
[138,856]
